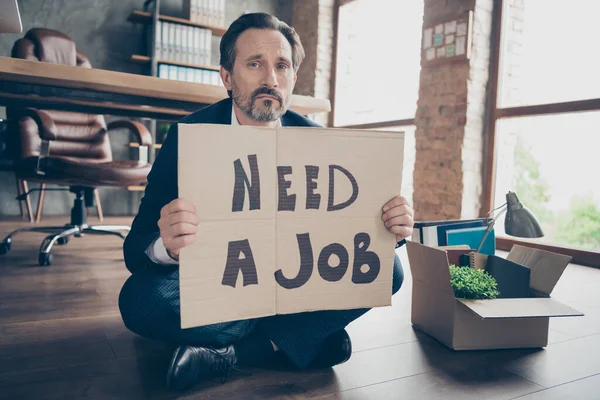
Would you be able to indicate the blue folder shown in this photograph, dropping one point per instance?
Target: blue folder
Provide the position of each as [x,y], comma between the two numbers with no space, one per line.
[472,237]
[442,229]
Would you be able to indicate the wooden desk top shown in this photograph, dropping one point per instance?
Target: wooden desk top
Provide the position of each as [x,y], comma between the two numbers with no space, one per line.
[115,89]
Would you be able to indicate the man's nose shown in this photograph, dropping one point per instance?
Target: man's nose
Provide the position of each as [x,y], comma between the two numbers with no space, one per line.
[270,78]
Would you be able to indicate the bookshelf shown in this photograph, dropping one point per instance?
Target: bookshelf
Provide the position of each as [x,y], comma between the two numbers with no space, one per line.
[179,43]
[177,49]
[138,59]
[144,17]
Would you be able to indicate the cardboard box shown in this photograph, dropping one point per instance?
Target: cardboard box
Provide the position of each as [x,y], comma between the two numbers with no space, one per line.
[485,324]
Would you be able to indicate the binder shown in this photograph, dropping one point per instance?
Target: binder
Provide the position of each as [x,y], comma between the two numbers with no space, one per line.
[472,237]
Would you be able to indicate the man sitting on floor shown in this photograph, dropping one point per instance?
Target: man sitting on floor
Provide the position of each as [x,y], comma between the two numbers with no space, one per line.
[260,56]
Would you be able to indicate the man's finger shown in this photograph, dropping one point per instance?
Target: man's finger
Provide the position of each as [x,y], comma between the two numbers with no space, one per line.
[395,202]
[405,220]
[180,205]
[181,228]
[396,211]
[180,242]
[181,216]
[403,231]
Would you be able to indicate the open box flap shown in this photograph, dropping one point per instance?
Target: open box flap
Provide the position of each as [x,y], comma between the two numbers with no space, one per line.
[429,265]
[519,308]
[546,267]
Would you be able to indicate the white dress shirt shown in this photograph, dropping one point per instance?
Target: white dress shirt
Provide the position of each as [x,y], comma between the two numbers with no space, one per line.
[156,250]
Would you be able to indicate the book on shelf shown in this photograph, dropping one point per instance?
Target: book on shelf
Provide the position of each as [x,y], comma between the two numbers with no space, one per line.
[182,43]
[208,12]
[195,75]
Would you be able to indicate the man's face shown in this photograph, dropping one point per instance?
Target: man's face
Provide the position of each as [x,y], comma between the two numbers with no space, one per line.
[263,77]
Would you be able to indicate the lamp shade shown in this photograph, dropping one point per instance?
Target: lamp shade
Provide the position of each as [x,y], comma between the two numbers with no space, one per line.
[519,221]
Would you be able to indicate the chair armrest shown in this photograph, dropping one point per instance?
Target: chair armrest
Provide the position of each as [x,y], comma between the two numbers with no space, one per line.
[45,123]
[141,132]
[82,60]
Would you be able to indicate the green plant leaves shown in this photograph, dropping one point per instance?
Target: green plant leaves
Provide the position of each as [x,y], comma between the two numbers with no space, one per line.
[469,283]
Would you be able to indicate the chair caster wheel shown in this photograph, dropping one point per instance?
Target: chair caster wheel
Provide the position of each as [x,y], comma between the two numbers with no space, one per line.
[45,259]
[62,241]
[4,247]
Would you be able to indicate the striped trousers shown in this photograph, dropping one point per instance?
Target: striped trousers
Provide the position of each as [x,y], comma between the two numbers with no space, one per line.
[149,305]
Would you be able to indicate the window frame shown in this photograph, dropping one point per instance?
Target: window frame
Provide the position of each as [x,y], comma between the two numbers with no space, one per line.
[494,114]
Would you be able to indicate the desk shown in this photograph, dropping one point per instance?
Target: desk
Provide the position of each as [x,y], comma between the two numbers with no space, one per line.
[25,83]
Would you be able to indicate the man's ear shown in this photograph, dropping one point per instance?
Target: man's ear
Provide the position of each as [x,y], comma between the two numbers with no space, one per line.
[295,77]
[226,78]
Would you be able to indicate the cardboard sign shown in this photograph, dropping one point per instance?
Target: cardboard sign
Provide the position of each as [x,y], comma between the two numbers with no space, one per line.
[290,220]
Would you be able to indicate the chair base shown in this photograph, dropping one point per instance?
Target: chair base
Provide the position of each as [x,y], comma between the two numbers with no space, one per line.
[61,234]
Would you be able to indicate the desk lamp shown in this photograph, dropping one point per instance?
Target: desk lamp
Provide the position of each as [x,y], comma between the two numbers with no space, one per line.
[519,220]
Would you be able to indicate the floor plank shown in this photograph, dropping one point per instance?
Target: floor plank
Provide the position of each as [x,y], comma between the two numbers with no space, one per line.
[557,364]
[61,336]
[22,357]
[100,379]
[465,383]
[582,389]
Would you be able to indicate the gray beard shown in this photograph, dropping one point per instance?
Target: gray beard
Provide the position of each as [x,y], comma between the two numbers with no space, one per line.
[268,113]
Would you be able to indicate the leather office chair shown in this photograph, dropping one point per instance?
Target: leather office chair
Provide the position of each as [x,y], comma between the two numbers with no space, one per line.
[6,165]
[68,148]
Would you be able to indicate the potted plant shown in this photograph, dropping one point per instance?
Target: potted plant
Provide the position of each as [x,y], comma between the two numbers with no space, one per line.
[470,283]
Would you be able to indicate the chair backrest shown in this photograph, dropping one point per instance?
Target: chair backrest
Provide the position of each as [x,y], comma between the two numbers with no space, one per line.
[78,135]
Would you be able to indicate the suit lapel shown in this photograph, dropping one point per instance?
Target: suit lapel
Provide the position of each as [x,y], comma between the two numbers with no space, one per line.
[286,120]
[222,112]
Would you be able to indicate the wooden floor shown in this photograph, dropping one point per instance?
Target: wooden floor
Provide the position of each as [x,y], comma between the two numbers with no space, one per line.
[61,337]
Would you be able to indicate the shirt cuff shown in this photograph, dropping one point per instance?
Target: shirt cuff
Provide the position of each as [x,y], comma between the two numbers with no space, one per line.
[158,253]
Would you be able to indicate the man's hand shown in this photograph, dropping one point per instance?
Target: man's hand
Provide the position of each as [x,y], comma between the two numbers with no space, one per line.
[178,225]
[398,217]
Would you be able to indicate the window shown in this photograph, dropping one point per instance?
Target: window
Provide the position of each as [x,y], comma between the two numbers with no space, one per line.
[545,129]
[378,61]
[550,163]
[549,52]
[409,158]
[377,67]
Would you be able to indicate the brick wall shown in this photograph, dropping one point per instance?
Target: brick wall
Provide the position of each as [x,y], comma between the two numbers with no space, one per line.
[313,20]
[305,20]
[449,121]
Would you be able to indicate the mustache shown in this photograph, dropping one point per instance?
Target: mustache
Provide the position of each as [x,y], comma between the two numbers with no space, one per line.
[269,92]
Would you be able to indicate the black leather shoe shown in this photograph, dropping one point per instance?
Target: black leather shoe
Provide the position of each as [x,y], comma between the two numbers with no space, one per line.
[336,349]
[192,365]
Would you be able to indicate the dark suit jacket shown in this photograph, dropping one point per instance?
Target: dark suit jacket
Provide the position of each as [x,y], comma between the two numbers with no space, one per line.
[162,182]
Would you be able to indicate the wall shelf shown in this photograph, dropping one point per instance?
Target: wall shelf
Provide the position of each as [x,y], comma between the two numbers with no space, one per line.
[139,59]
[178,84]
[144,17]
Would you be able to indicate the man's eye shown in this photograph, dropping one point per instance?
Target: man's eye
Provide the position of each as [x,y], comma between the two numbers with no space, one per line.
[283,66]
[253,64]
